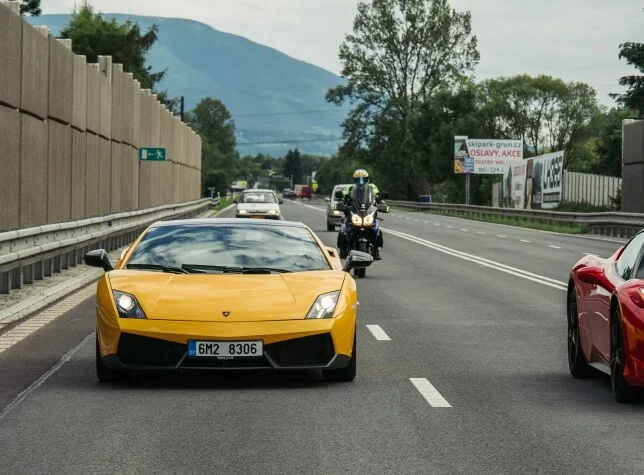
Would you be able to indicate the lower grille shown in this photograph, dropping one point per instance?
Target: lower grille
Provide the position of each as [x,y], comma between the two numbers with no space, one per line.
[316,350]
[136,350]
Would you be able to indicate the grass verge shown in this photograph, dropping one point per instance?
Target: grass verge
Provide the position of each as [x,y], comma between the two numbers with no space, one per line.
[538,224]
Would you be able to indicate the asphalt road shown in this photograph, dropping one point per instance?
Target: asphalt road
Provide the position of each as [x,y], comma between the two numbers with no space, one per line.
[486,342]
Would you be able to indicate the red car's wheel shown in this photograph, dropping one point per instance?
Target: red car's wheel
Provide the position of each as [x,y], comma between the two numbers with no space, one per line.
[576,361]
[621,390]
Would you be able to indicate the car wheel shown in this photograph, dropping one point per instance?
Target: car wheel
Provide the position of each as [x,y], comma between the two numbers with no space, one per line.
[576,361]
[360,273]
[622,392]
[104,374]
[346,374]
[330,226]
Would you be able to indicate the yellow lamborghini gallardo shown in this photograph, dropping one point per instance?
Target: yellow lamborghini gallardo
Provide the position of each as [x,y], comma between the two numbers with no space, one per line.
[227,293]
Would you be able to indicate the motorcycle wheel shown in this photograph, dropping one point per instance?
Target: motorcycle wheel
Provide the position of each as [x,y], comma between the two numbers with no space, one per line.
[361,273]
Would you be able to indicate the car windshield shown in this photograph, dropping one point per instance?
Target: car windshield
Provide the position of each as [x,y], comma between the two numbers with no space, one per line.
[288,248]
[258,197]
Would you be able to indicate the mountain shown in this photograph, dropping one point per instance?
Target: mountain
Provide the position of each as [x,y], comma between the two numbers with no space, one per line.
[277,101]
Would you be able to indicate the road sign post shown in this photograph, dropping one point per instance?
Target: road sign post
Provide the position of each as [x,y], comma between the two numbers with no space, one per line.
[150,154]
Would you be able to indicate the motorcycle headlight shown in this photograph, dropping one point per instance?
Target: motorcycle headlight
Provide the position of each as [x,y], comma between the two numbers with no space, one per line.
[324,305]
[356,220]
[368,220]
[127,305]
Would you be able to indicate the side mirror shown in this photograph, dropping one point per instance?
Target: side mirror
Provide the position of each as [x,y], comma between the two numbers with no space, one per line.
[384,195]
[357,260]
[338,195]
[383,208]
[593,275]
[98,258]
[327,199]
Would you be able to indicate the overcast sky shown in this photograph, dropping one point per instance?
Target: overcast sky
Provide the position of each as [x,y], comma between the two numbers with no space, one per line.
[571,39]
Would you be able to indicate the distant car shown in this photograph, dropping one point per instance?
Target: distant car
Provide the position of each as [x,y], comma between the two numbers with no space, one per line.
[227,294]
[333,217]
[606,318]
[259,204]
[306,192]
[288,193]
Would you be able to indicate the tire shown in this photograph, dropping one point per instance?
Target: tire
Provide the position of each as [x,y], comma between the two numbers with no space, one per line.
[576,360]
[361,273]
[346,374]
[622,392]
[103,373]
[330,226]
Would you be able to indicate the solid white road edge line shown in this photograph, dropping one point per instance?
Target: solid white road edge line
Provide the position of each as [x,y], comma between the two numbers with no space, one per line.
[482,261]
[39,382]
[429,392]
[557,284]
[378,333]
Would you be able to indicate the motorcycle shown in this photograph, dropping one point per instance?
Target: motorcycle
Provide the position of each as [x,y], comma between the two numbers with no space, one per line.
[361,224]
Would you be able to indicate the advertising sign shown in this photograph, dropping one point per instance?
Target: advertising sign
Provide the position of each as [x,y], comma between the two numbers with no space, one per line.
[485,157]
[535,183]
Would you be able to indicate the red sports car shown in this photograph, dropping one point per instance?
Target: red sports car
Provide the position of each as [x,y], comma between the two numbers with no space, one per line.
[606,318]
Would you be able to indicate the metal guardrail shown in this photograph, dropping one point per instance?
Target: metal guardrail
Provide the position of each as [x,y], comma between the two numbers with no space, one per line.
[28,255]
[610,224]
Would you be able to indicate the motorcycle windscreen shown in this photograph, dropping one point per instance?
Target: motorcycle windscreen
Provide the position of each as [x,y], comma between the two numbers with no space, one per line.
[363,196]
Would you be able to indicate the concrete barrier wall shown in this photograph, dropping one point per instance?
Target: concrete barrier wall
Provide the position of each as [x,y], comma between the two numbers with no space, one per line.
[71,133]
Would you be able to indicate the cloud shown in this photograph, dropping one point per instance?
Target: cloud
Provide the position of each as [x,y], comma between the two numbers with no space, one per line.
[572,39]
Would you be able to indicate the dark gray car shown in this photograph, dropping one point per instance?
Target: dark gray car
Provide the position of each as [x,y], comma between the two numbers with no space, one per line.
[333,218]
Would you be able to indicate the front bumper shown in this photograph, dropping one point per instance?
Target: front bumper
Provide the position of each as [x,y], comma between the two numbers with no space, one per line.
[336,219]
[288,345]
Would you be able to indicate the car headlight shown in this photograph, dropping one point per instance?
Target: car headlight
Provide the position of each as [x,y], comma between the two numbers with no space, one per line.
[324,305]
[368,220]
[242,211]
[272,211]
[127,305]
[356,220]
[336,212]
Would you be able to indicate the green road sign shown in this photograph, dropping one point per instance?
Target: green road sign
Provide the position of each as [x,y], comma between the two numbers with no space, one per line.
[152,154]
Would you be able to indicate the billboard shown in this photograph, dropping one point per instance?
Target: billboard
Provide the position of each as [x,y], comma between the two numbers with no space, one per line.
[485,157]
[535,183]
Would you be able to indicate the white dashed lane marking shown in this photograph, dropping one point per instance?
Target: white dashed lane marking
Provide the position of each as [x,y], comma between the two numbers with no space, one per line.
[554,247]
[500,236]
[429,392]
[378,333]
[524,240]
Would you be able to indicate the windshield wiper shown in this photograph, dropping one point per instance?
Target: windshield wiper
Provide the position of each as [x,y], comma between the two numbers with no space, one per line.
[171,269]
[235,270]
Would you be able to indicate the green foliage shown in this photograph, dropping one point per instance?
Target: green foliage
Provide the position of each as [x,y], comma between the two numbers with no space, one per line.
[94,35]
[293,166]
[399,54]
[581,208]
[30,7]
[634,96]
[335,171]
[220,161]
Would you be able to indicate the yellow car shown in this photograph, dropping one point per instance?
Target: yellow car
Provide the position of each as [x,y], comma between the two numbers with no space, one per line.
[227,294]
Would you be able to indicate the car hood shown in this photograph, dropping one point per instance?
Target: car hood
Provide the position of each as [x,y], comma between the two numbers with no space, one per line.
[247,297]
[257,206]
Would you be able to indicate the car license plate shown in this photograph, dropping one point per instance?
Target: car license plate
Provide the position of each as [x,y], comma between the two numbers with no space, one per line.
[257,217]
[225,349]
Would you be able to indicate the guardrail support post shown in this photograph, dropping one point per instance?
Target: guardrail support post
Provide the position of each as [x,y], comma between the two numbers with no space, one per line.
[16,278]
[5,283]
[56,265]
[28,274]
[38,271]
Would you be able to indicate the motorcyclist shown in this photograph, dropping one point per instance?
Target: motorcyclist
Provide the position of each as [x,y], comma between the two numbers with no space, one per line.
[361,179]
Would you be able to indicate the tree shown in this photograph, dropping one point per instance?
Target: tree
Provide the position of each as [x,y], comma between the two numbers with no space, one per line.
[634,97]
[30,7]
[399,54]
[609,143]
[293,166]
[220,161]
[94,35]
[548,114]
